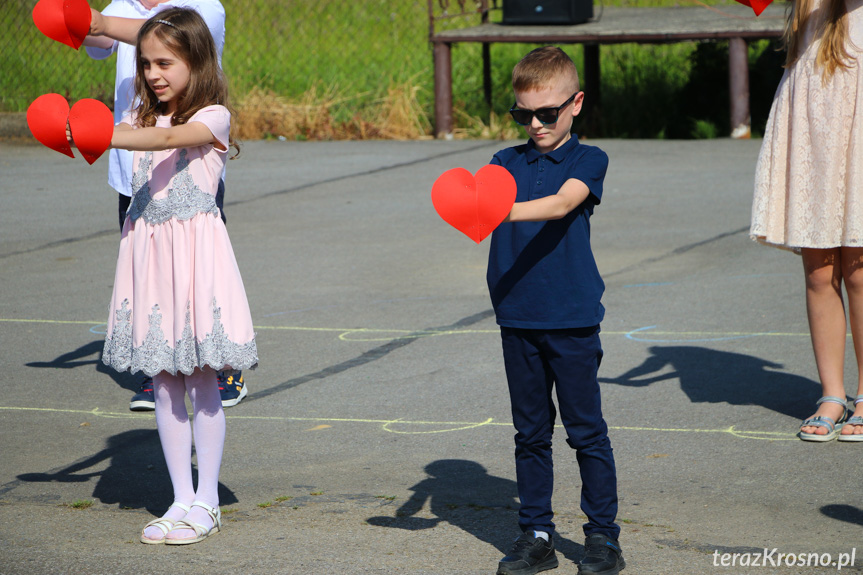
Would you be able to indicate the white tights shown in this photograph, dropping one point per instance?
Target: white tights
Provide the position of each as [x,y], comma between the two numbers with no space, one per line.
[175,433]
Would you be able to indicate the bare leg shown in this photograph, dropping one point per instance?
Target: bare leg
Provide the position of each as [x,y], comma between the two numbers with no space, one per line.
[852,274]
[826,312]
[209,425]
[175,434]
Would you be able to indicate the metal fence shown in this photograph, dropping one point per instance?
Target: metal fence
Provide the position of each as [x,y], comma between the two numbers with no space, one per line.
[354,49]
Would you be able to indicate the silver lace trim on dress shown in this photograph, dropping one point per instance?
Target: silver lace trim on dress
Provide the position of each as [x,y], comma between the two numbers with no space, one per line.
[185,199]
[155,354]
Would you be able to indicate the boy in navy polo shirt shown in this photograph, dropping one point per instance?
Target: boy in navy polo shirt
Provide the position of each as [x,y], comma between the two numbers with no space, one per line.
[546,290]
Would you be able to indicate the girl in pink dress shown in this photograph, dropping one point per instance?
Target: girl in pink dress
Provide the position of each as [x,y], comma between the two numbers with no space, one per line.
[809,192]
[170,318]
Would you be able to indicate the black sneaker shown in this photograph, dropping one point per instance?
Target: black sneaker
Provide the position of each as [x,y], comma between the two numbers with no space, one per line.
[232,388]
[602,556]
[528,555]
[144,399]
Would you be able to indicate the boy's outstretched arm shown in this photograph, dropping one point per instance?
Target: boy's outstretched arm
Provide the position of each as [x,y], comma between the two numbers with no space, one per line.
[571,194]
[105,29]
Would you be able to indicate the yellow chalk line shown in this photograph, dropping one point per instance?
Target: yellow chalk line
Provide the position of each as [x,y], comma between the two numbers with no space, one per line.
[386,424]
[356,334]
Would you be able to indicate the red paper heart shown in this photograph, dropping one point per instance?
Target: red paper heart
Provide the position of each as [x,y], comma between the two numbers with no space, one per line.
[92,125]
[66,21]
[474,206]
[46,118]
[757,6]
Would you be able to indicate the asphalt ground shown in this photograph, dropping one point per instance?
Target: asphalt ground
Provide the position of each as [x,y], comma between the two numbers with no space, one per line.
[377,437]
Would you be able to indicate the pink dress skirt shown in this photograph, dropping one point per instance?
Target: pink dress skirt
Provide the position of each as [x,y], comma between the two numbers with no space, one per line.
[179,303]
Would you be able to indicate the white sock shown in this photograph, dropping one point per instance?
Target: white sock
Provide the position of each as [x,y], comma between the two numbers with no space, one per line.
[541,535]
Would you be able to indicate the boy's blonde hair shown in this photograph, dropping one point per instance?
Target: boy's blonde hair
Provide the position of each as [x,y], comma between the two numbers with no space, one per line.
[833,32]
[542,68]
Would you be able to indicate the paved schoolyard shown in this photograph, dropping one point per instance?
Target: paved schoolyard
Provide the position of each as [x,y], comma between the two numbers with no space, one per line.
[377,436]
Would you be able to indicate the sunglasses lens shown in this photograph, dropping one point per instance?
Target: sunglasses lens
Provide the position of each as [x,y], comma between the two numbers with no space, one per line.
[546,115]
[522,117]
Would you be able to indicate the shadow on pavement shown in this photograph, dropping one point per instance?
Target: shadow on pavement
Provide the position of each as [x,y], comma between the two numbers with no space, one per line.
[73,359]
[463,494]
[847,513]
[710,376]
[136,476]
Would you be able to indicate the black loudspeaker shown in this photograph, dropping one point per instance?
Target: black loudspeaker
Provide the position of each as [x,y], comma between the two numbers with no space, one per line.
[547,11]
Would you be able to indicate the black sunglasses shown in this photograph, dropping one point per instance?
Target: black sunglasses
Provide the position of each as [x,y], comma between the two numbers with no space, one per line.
[544,115]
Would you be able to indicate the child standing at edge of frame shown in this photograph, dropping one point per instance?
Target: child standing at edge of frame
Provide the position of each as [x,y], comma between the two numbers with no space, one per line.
[546,289]
[115,29]
[809,193]
[171,315]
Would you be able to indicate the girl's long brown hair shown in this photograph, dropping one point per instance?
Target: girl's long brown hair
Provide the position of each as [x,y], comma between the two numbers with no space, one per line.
[186,35]
[832,30]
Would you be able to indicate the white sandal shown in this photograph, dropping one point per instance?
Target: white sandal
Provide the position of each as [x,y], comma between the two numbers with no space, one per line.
[827,423]
[852,421]
[163,524]
[201,532]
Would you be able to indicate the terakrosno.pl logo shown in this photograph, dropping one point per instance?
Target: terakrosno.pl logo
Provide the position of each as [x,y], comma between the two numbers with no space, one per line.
[773,558]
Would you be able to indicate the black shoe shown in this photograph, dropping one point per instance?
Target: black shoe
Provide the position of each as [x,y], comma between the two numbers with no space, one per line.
[528,555]
[232,388]
[144,400]
[602,556]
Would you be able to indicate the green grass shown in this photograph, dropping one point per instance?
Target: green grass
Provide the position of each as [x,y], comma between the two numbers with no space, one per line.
[359,49]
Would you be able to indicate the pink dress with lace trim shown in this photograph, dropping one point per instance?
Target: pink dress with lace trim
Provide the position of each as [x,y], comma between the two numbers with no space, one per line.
[179,301]
[809,177]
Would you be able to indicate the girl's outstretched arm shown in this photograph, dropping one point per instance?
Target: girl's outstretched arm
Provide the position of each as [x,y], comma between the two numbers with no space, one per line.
[571,194]
[153,139]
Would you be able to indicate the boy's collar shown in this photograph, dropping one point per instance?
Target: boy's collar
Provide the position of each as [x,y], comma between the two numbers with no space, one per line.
[556,155]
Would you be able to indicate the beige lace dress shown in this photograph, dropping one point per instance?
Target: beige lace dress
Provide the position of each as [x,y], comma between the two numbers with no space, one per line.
[809,177]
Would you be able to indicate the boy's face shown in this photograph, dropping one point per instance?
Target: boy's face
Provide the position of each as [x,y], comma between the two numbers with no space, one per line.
[548,137]
[150,4]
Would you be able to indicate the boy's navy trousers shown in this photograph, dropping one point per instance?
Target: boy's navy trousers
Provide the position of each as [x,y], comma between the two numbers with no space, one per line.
[567,360]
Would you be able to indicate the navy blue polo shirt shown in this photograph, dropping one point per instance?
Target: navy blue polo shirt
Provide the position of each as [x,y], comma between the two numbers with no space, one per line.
[542,275]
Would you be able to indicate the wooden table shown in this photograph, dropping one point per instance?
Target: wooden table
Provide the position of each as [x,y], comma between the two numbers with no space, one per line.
[734,23]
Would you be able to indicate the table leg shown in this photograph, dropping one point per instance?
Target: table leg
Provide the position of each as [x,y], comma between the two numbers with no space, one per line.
[443,90]
[590,85]
[738,78]
[486,74]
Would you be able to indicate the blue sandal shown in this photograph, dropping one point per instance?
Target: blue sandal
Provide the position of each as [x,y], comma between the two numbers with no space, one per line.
[832,427]
[854,420]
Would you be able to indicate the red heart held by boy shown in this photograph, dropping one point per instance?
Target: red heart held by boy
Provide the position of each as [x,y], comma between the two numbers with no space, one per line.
[92,125]
[757,6]
[66,21]
[46,118]
[90,121]
[474,205]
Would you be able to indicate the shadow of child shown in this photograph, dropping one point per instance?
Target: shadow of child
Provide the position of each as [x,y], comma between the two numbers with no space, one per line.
[463,494]
[136,476]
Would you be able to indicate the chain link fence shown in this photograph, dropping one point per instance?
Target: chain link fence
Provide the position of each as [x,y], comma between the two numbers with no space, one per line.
[353,51]
[348,58]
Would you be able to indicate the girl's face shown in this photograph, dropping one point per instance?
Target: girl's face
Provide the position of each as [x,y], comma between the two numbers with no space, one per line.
[166,74]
